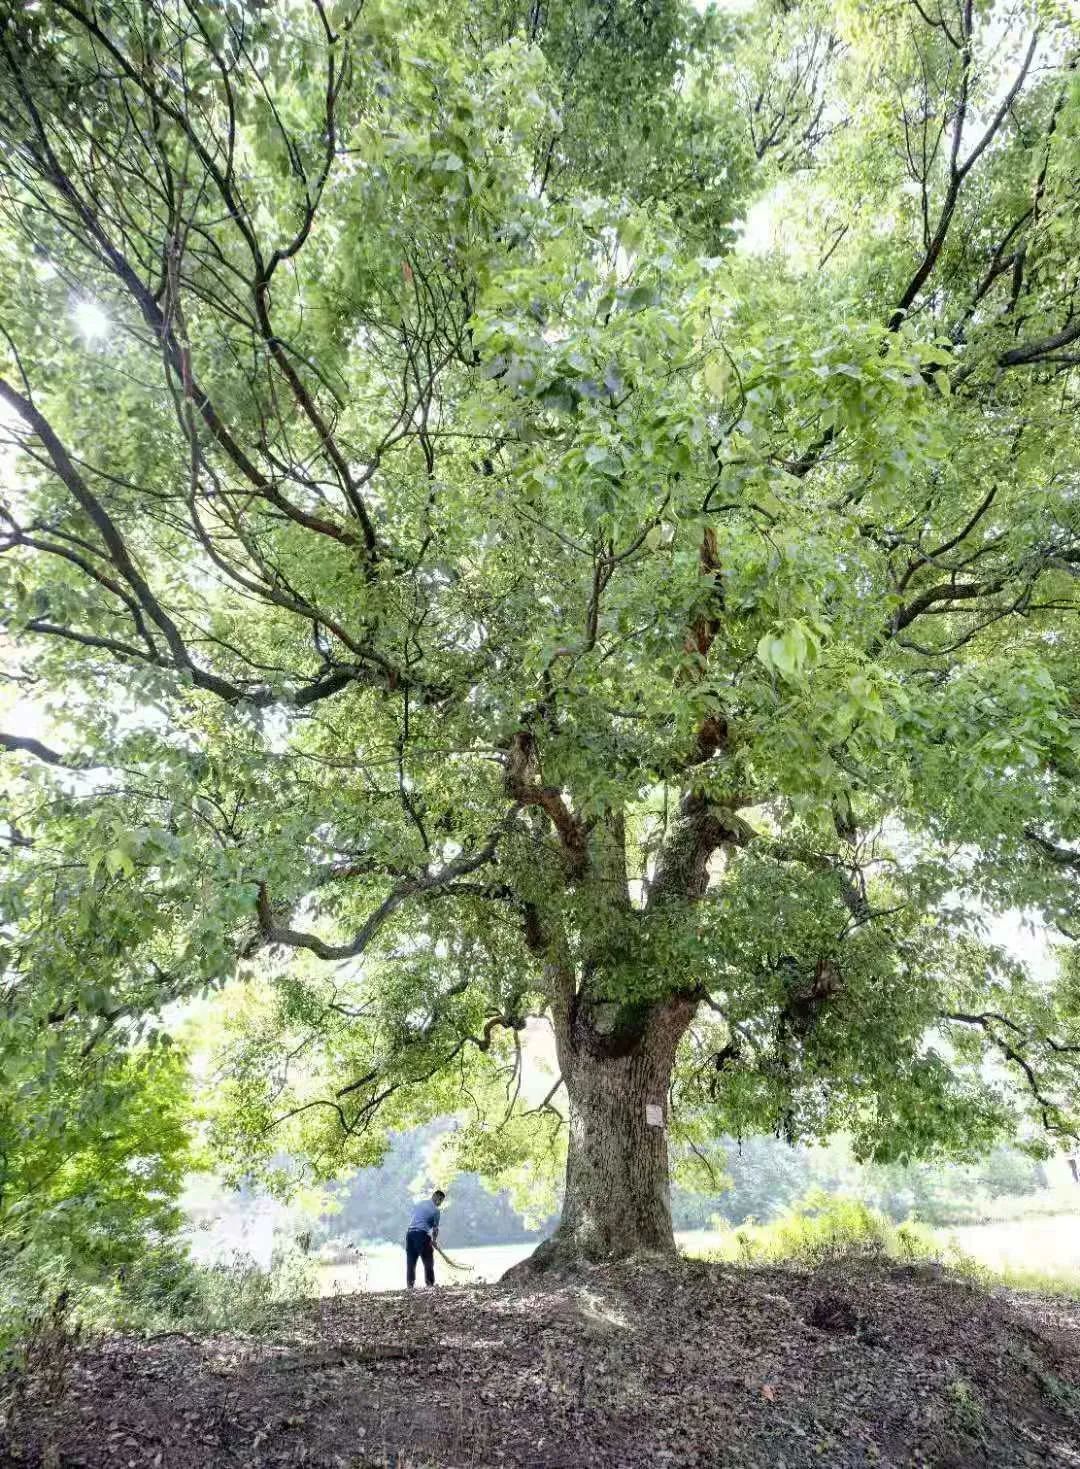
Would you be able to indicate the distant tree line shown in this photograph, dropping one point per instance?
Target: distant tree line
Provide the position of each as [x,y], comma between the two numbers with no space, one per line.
[766,1176]
[760,1178]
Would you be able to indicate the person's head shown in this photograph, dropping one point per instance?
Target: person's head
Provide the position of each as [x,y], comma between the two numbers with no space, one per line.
[438,1196]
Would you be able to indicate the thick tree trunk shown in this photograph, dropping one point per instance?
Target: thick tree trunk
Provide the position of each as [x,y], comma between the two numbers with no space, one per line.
[617,1200]
[617,1163]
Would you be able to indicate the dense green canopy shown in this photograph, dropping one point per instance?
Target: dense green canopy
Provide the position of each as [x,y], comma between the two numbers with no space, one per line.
[465,584]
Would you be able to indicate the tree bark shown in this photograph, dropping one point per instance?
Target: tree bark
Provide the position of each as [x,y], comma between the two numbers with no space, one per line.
[617,1200]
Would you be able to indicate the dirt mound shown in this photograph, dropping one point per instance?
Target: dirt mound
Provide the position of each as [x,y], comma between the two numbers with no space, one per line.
[667,1365]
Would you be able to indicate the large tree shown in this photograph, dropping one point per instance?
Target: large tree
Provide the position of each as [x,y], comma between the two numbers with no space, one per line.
[465,585]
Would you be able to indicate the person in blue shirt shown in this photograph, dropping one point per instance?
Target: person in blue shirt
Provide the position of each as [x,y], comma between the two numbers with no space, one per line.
[422,1237]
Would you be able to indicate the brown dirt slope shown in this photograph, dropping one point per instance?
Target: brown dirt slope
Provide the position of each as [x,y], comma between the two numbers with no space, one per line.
[645,1364]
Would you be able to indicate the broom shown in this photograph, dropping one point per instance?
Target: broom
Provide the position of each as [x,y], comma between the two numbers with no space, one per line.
[452,1263]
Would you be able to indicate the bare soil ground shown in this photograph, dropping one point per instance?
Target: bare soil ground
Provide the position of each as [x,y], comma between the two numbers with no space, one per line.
[664,1364]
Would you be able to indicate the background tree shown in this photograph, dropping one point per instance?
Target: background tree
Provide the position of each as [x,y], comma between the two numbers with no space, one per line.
[464,590]
[371,1204]
[94,1150]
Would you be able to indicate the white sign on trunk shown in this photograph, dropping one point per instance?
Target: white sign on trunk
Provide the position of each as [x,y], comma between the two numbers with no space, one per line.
[654,1115]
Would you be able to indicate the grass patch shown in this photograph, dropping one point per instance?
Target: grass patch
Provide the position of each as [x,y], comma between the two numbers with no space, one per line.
[825,1228]
[1042,1282]
[966,1413]
[822,1228]
[1009,1208]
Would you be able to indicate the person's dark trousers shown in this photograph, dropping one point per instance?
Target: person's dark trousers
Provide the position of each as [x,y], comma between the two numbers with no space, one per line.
[418,1247]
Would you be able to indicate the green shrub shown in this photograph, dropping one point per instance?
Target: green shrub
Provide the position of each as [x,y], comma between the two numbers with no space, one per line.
[822,1228]
[34,1310]
[166,1291]
[93,1155]
[162,1290]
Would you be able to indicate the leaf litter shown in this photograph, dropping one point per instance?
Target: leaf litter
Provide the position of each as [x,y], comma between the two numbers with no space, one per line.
[647,1363]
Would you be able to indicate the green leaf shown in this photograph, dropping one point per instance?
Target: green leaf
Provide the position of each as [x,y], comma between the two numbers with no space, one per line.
[117,861]
[717,374]
[640,297]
